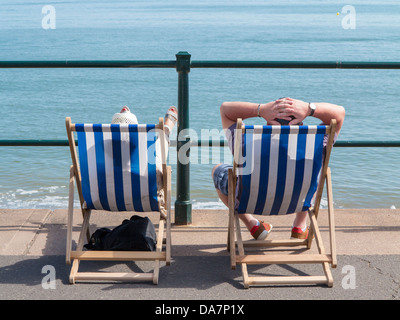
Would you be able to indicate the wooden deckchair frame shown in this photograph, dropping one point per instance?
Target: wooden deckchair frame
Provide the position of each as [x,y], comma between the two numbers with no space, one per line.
[164,227]
[322,257]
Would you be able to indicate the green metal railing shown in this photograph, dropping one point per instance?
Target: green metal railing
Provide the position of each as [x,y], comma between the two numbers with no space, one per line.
[183,64]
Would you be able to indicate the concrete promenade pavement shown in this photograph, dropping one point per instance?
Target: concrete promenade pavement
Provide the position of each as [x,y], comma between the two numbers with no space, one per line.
[34,240]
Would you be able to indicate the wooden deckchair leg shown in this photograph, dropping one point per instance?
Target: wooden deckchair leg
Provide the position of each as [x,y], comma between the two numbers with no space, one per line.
[332,238]
[74,157]
[74,271]
[84,229]
[231,226]
[231,239]
[331,218]
[168,245]
[328,274]
[314,211]
[228,238]
[321,249]
[70,215]
[245,274]
[316,232]
[160,237]
[164,223]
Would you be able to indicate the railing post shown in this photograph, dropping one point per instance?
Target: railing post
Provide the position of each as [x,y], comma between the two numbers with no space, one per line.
[183,205]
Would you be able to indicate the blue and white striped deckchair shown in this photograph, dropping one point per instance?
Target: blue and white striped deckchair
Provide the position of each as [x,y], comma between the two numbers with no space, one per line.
[115,168]
[278,170]
[116,171]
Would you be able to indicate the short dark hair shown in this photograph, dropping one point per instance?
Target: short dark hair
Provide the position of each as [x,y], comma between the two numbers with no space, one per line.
[284,122]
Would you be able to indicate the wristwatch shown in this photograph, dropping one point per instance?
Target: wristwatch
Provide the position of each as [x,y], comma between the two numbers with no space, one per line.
[311,107]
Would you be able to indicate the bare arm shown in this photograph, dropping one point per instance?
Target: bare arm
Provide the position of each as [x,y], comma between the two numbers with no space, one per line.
[281,109]
[324,111]
[231,111]
[327,111]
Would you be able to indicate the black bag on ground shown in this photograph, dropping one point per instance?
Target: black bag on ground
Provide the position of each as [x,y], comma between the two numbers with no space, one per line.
[136,234]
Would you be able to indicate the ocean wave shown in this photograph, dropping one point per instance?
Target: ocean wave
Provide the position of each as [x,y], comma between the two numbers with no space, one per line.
[211,205]
[56,197]
[52,197]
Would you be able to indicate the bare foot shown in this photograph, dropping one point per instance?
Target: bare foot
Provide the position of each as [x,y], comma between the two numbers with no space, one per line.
[170,119]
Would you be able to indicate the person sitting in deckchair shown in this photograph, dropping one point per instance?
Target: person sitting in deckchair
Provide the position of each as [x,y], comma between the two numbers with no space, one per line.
[282,111]
[170,119]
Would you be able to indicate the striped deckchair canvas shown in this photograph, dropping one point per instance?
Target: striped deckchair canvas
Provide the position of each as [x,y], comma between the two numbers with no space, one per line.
[117,166]
[115,170]
[280,168]
[277,170]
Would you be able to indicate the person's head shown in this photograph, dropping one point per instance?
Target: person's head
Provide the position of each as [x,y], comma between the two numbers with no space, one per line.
[284,122]
[124,116]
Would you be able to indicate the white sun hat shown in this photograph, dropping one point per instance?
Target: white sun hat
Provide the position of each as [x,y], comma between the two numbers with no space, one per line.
[124,116]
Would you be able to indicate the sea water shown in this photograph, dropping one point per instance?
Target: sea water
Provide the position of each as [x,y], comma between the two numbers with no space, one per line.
[35,102]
